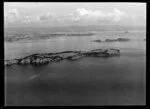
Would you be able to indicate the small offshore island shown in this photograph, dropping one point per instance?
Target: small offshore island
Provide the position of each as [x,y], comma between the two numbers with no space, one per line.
[45,58]
[113,40]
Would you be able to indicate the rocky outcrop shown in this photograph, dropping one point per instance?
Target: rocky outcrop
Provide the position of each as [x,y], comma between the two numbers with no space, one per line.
[11,62]
[103,52]
[117,40]
[97,40]
[110,40]
[123,39]
[45,58]
[76,57]
[113,40]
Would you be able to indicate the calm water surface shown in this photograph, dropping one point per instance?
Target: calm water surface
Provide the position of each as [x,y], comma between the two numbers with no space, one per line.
[89,81]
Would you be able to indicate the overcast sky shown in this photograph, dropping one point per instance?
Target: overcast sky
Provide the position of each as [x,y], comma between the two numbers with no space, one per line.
[55,14]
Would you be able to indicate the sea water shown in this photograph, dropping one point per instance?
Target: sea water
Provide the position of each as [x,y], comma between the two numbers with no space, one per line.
[117,80]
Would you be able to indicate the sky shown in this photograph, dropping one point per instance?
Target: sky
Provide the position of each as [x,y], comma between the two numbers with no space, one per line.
[76,13]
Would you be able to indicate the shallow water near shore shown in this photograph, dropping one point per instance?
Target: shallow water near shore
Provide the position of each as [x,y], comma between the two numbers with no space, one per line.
[117,80]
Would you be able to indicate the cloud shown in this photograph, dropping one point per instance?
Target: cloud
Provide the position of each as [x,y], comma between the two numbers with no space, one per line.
[137,19]
[11,15]
[71,14]
[46,16]
[89,13]
[26,20]
[80,15]
[117,14]
[13,12]
[83,13]
[14,16]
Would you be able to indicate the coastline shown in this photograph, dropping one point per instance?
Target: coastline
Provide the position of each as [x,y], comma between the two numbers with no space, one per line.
[45,58]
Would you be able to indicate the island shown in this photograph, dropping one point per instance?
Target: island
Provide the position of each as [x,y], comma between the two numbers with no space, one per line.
[117,40]
[46,58]
[97,40]
[113,40]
